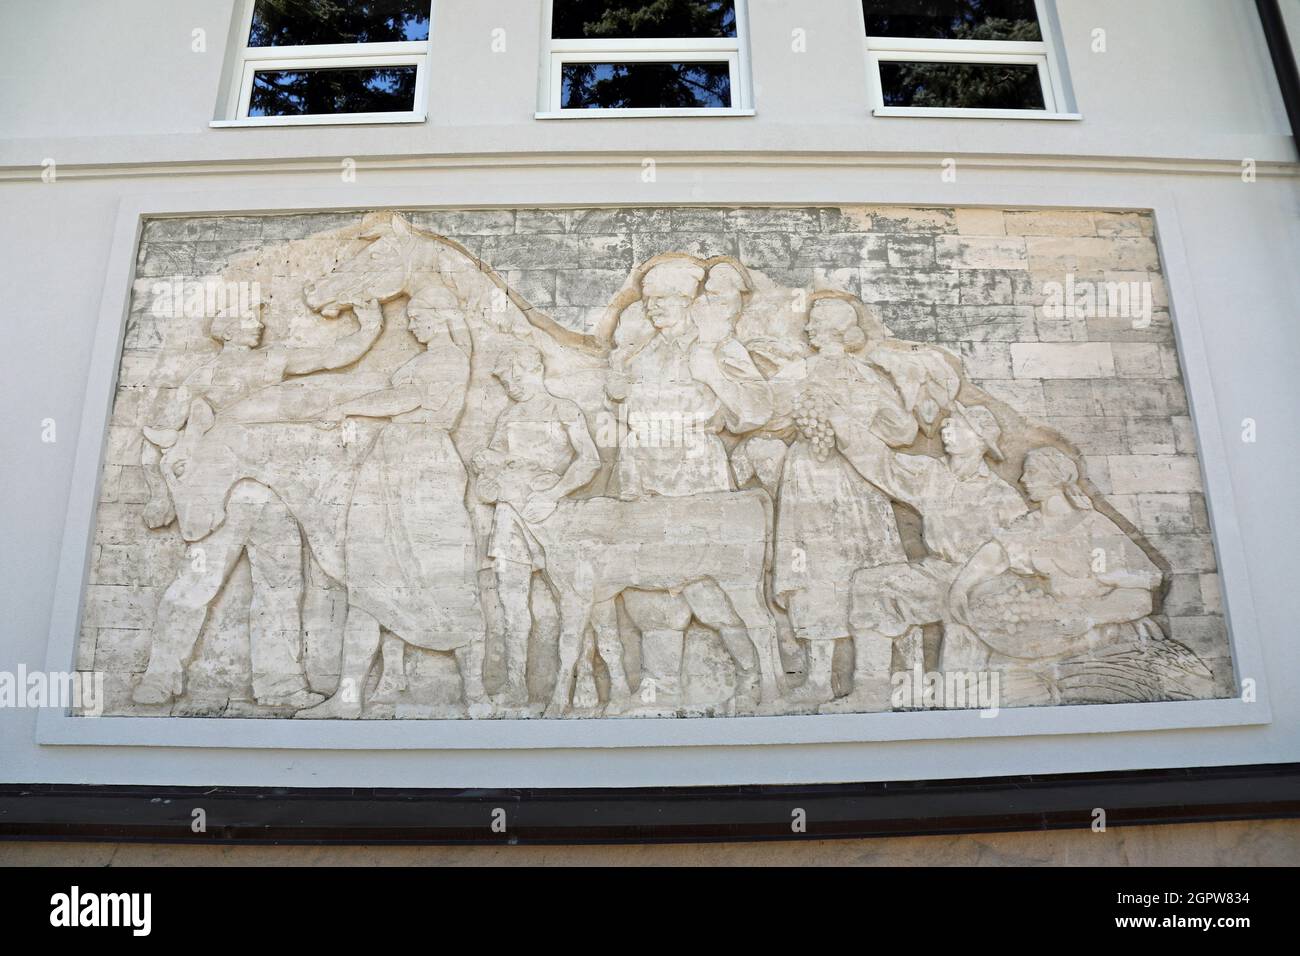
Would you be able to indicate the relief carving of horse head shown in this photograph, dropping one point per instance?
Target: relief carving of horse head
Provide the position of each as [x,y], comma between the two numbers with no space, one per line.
[382,271]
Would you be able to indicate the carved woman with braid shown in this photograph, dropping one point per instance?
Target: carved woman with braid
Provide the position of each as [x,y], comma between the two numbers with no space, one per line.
[409,546]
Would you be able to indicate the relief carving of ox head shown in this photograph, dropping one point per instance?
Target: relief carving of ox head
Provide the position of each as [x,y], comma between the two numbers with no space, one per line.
[195,474]
[379,272]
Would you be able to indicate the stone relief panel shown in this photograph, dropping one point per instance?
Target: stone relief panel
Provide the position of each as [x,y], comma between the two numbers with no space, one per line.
[650,462]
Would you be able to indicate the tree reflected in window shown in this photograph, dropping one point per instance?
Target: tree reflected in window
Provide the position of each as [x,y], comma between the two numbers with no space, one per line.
[647,85]
[642,19]
[994,86]
[1014,20]
[335,90]
[308,22]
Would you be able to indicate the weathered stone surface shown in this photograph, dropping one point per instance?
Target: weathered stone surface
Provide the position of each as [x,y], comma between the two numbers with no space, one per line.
[970,252]
[541,221]
[476,222]
[1122,224]
[1038,360]
[940,287]
[980,222]
[986,359]
[844,250]
[984,287]
[984,323]
[888,219]
[1091,254]
[573,252]
[649,461]
[1137,360]
[647,245]
[1150,436]
[1051,222]
[1135,474]
[774,220]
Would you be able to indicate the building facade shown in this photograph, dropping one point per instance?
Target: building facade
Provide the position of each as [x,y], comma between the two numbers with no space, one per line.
[768,394]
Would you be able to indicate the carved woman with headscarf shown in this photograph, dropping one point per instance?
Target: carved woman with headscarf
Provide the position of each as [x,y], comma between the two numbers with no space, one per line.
[831,521]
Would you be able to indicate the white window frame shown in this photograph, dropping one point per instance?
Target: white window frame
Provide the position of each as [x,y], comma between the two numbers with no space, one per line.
[253,59]
[734,51]
[1039,53]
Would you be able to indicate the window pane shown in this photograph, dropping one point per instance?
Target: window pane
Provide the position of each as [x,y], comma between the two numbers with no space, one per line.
[645,85]
[953,19]
[994,86]
[300,22]
[596,19]
[369,89]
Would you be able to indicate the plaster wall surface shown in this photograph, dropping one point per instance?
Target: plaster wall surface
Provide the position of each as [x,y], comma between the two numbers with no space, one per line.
[1184,95]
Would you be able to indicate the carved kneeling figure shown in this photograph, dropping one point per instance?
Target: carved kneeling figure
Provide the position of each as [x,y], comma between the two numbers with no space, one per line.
[1061,600]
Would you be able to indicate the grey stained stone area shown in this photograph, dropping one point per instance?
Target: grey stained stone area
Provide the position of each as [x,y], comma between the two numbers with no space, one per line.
[621,462]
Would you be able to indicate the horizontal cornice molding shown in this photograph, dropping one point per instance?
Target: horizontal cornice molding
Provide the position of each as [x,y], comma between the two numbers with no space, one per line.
[824,159]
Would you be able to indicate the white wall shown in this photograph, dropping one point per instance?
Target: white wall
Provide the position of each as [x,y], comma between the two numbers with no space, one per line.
[115,81]
[112,92]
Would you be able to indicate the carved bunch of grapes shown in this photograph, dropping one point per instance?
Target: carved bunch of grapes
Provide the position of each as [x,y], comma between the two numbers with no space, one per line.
[811,416]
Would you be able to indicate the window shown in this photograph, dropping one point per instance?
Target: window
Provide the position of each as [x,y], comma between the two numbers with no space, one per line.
[962,58]
[631,58]
[325,61]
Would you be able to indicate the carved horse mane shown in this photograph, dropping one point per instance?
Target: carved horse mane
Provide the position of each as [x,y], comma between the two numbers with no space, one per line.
[427,254]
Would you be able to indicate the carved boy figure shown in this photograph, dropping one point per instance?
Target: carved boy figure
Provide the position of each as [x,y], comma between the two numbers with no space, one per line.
[540,451]
[244,366]
[962,503]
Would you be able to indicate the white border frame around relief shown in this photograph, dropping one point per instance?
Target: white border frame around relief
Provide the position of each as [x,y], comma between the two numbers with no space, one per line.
[56,726]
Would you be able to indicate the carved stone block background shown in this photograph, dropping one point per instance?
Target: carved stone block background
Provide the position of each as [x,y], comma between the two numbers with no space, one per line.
[622,462]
